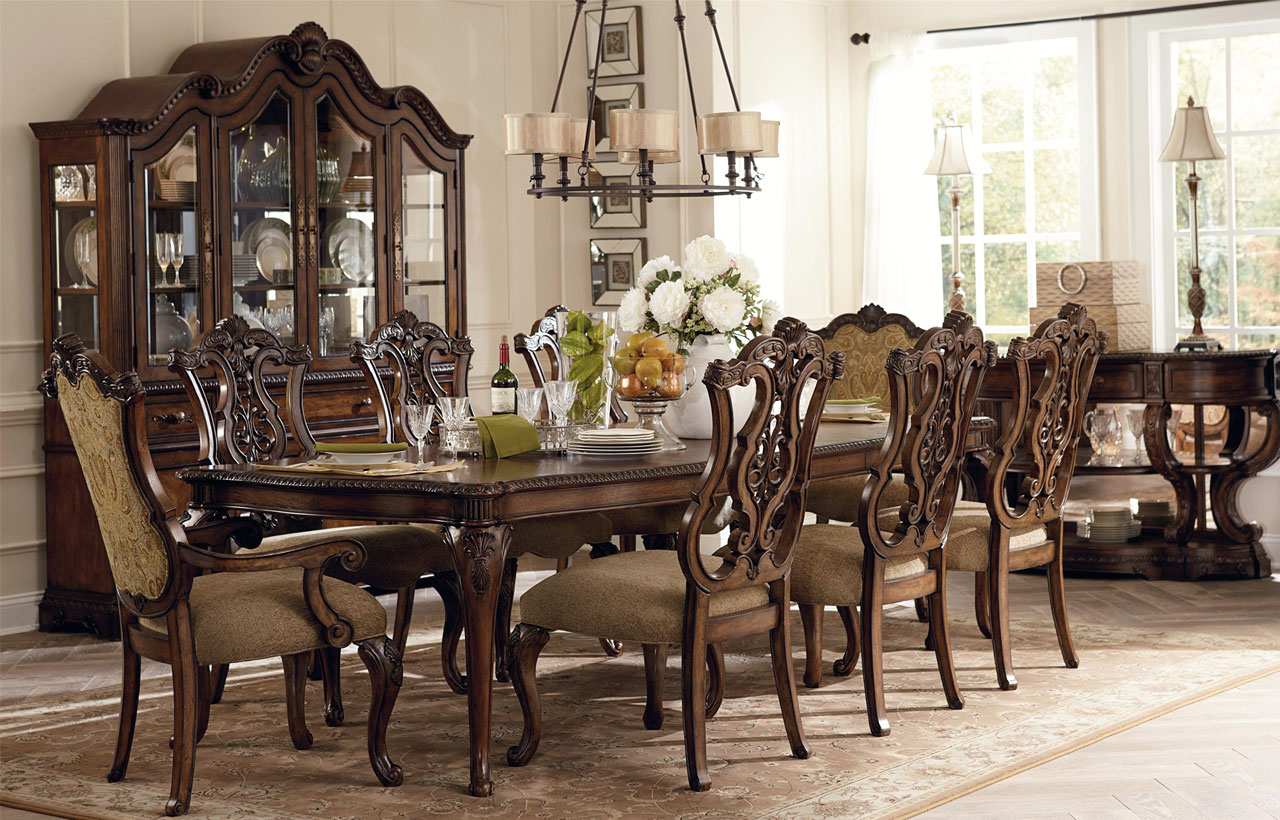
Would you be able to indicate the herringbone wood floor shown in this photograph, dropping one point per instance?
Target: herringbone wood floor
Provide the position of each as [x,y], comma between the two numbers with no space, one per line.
[1216,759]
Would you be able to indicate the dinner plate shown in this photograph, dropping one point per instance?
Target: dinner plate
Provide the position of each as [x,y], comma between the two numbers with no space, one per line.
[181,168]
[350,244]
[273,256]
[850,409]
[615,435]
[271,230]
[364,458]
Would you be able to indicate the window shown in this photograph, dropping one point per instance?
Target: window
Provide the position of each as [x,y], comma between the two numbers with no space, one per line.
[1029,103]
[1232,70]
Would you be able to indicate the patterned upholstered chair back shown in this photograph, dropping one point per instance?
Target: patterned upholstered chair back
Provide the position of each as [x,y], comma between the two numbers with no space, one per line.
[927,433]
[1043,431]
[766,465]
[865,338]
[409,347]
[244,423]
[105,414]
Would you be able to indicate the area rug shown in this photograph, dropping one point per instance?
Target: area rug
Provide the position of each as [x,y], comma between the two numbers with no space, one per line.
[597,761]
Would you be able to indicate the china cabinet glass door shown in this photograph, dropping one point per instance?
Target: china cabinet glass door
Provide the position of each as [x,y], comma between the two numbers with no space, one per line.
[420,250]
[74,237]
[346,228]
[263,266]
[176,253]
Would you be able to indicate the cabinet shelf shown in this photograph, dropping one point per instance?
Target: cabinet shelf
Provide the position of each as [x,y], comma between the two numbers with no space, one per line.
[261,286]
[76,204]
[346,285]
[261,206]
[68,291]
[171,204]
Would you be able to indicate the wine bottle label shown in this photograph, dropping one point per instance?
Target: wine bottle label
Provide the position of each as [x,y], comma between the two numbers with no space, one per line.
[503,400]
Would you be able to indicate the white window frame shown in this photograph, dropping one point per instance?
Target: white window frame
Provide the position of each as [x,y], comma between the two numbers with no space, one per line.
[1085,34]
[1151,38]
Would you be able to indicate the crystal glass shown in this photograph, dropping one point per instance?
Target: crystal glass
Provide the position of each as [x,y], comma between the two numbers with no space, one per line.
[529,403]
[86,249]
[326,330]
[176,256]
[454,413]
[164,257]
[418,417]
[1134,416]
[561,395]
[1101,426]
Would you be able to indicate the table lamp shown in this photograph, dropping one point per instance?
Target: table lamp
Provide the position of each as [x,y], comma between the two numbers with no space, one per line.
[951,160]
[1192,140]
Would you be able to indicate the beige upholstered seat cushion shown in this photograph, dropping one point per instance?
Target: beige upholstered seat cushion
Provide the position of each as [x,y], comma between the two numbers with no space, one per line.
[245,616]
[561,536]
[968,542]
[398,554]
[660,520]
[828,566]
[632,596]
[838,499]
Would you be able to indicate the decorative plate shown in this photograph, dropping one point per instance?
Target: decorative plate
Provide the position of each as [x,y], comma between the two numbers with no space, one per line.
[350,244]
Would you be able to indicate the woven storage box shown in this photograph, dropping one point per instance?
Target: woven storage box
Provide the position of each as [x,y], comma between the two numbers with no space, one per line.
[1128,327]
[1105,283]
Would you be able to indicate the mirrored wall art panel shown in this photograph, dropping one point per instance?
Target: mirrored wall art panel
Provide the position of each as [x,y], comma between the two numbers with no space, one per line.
[74,251]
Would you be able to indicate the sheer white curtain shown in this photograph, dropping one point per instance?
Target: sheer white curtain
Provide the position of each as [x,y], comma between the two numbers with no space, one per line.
[902,258]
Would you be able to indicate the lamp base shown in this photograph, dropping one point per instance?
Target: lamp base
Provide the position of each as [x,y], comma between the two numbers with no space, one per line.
[1197,343]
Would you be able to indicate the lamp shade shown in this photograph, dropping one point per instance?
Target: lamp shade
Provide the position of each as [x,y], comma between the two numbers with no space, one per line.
[580,136]
[738,132]
[769,130]
[950,157]
[653,129]
[539,134]
[1192,136]
[656,157]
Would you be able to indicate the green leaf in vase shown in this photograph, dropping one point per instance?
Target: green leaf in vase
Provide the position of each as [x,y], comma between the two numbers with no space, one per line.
[593,399]
[599,332]
[577,322]
[586,369]
[575,344]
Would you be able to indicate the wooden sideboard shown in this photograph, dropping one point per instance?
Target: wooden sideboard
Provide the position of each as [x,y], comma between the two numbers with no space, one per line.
[304,196]
[1205,481]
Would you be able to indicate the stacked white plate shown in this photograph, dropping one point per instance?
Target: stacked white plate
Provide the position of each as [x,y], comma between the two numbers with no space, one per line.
[1155,513]
[1113,523]
[615,442]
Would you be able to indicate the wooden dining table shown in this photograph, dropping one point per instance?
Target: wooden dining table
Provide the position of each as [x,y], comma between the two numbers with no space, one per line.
[480,500]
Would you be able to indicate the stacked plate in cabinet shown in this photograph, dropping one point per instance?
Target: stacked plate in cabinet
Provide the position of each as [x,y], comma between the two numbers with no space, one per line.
[1112,524]
[615,442]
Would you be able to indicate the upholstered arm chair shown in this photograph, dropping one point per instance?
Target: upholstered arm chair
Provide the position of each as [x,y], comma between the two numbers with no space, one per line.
[899,556]
[192,607]
[683,596]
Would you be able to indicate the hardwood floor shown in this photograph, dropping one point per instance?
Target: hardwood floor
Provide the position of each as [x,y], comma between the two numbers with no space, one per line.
[1216,759]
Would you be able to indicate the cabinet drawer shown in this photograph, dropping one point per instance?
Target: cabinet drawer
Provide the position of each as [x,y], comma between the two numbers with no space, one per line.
[1117,383]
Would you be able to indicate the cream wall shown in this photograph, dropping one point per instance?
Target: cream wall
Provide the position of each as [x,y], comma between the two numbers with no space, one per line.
[474,59]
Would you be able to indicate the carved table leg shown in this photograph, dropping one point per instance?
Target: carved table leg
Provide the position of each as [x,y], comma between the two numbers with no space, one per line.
[1225,487]
[1165,462]
[479,554]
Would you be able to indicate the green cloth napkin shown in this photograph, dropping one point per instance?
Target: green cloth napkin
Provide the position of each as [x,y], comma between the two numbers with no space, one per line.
[360,447]
[507,435]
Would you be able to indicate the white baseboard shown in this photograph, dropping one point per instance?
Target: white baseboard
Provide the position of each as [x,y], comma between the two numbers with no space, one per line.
[1271,543]
[18,612]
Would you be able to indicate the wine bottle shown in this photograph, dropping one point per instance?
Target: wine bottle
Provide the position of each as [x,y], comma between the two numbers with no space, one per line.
[504,384]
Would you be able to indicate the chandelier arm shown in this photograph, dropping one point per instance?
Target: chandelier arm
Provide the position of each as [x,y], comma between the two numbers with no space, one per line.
[688,73]
[564,64]
[595,79]
[728,75]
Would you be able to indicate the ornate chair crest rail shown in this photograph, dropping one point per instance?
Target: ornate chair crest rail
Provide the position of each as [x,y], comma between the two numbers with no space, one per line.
[767,463]
[927,436]
[411,349]
[540,348]
[866,337]
[246,424]
[1044,428]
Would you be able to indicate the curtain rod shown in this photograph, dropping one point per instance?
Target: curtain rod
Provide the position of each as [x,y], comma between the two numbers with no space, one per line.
[858,39]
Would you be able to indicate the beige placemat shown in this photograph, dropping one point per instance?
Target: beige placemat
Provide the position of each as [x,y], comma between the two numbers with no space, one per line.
[390,469]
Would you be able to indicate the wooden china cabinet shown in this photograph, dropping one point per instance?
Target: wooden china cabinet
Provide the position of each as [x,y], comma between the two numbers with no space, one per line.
[270,178]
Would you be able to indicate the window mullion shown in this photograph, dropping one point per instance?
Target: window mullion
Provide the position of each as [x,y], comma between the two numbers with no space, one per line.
[1231,203]
[978,303]
[1029,185]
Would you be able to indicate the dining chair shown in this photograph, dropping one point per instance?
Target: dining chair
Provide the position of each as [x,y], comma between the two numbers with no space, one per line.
[243,423]
[1053,371]
[657,597]
[185,603]
[898,555]
[415,351]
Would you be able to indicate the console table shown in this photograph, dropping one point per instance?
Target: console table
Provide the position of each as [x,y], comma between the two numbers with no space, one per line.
[1205,481]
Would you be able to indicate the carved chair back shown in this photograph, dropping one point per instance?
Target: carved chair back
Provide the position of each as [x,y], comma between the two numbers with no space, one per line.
[766,464]
[540,348]
[409,347]
[106,415]
[865,338]
[245,423]
[932,391]
[1043,431]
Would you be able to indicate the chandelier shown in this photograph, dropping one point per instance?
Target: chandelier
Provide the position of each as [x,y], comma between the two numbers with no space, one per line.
[643,137]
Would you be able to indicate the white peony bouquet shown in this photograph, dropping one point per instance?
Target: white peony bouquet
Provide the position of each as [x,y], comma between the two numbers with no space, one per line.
[714,292]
